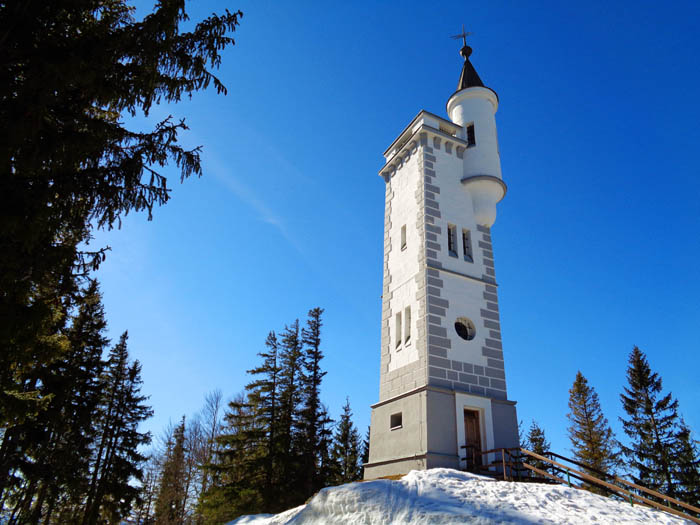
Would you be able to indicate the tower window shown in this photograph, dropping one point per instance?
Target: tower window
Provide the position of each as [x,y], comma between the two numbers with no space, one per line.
[407,325]
[397,335]
[467,245]
[465,328]
[403,237]
[471,137]
[396,421]
[452,240]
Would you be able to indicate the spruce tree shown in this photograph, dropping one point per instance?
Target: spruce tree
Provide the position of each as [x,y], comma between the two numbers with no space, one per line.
[536,442]
[687,466]
[325,446]
[313,417]
[346,448]
[69,164]
[24,394]
[274,450]
[291,391]
[247,473]
[365,448]
[264,398]
[116,459]
[77,386]
[592,440]
[55,442]
[651,425]
[170,504]
[235,481]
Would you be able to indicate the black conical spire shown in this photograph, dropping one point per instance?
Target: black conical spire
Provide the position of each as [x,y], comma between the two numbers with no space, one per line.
[469,77]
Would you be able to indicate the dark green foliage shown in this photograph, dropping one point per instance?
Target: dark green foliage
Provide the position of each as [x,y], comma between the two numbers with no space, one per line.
[77,394]
[324,460]
[365,448]
[536,442]
[47,455]
[70,71]
[651,425]
[290,395]
[346,449]
[662,455]
[314,421]
[687,472]
[592,440]
[235,484]
[116,459]
[26,386]
[172,492]
[274,451]
[73,462]
[267,427]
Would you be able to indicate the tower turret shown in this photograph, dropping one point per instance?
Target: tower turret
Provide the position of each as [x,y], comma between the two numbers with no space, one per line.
[473,107]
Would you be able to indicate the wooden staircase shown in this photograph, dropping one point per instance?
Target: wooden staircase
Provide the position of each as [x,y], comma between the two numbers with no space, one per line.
[516,464]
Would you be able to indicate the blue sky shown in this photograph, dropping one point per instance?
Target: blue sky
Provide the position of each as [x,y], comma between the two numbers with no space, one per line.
[596,243]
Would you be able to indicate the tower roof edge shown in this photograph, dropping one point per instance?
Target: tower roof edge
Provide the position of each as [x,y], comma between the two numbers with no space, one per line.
[421,113]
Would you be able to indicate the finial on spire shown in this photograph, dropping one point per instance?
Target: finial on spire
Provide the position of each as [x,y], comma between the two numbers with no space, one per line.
[466,50]
[469,76]
[463,35]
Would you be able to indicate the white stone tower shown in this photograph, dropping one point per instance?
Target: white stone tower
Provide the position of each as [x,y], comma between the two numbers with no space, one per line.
[442,384]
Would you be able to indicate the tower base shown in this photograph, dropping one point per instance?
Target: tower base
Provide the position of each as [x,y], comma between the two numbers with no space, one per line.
[432,427]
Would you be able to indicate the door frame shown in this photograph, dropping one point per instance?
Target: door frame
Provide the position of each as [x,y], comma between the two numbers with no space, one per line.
[483,406]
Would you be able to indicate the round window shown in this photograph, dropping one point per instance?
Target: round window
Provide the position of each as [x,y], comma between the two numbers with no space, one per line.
[465,328]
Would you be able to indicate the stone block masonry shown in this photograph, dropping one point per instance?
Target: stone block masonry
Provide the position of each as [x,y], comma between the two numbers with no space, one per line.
[458,375]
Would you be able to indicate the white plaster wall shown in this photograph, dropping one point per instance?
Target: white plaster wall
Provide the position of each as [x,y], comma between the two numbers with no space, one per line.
[403,264]
[466,300]
[455,208]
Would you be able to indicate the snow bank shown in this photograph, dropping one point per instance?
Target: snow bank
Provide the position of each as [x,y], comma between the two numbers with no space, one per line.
[445,496]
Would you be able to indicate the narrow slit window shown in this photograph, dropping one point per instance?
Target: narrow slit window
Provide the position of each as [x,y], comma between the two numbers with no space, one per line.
[403,237]
[467,245]
[407,325]
[452,240]
[471,136]
[396,421]
[398,329]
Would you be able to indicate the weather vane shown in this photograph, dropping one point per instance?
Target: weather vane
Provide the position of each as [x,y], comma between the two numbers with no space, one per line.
[463,35]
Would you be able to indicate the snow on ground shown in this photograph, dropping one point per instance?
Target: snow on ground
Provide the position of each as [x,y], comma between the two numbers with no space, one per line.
[446,496]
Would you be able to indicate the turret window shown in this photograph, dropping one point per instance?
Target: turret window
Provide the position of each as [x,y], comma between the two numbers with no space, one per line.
[471,136]
[452,240]
[403,237]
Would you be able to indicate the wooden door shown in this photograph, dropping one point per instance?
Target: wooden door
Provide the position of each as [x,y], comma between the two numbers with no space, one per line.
[472,434]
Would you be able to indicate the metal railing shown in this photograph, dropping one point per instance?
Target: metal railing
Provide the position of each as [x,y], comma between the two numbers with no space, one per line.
[511,464]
